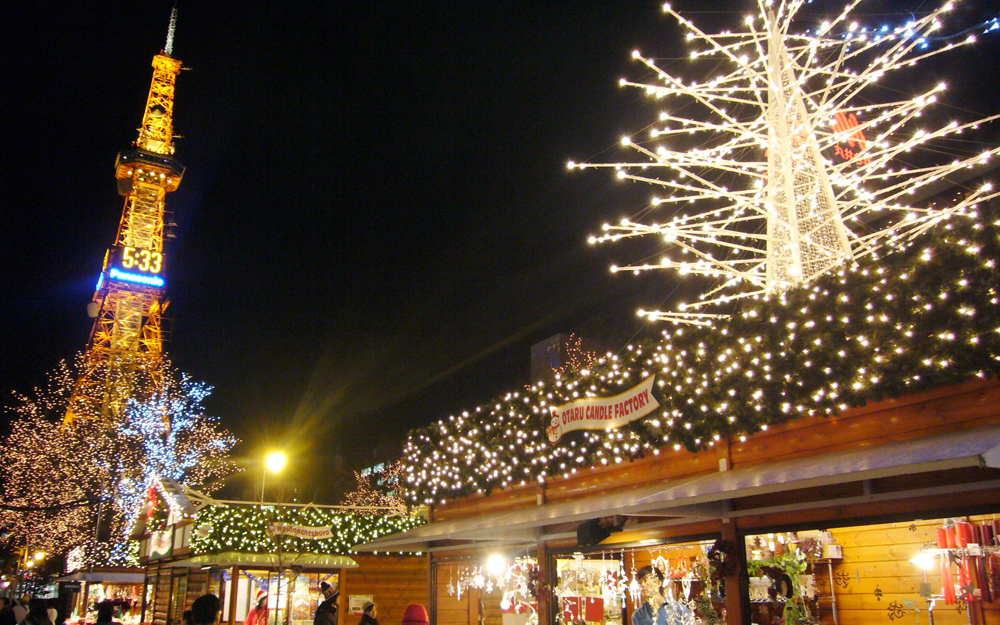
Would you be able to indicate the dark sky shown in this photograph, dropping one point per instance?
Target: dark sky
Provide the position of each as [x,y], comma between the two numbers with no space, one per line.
[376,223]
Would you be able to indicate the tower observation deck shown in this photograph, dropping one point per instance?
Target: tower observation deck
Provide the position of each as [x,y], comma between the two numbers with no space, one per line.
[125,348]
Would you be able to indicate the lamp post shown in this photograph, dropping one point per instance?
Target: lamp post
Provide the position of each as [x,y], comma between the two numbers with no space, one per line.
[275,462]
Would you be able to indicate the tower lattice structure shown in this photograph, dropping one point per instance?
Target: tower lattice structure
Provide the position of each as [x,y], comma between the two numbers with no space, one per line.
[125,348]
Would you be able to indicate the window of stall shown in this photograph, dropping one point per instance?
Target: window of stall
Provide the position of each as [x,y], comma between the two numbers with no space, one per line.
[672,583]
[494,590]
[292,596]
[943,571]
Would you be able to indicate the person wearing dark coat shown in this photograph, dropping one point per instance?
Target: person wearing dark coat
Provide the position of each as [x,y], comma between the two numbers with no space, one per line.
[38,613]
[106,614]
[326,613]
[368,613]
[6,612]
[205,610]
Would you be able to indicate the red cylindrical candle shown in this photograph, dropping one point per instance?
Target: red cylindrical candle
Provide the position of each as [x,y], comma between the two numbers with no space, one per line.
[961,534]
[942,539]
[949,537]
[947,583]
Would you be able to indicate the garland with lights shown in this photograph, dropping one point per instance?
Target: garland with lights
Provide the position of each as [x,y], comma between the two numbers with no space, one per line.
[244,529]
[923,316]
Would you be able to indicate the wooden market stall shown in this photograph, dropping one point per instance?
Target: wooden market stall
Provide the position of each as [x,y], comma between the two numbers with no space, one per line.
[191,545]
[866,491]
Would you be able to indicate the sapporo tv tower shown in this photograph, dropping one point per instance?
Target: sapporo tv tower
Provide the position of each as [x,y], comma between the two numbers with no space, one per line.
[126,343]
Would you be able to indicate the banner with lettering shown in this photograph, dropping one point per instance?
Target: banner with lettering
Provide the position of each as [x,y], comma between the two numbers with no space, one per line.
[300,531]
[603,413]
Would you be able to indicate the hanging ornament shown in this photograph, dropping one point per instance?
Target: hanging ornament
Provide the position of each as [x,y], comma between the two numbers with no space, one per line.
[635,590]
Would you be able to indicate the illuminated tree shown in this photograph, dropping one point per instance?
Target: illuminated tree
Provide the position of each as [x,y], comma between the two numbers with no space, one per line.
[370,498]
[59,477]
[780,157]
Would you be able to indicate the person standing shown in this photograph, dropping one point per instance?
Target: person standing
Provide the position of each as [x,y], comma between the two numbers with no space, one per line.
[653,610]
[258,613]
[38,613]
[106,614]
[326,613]
[368,613]
[205,610]
[415,614]
[20,610]
[6,612]
[656,608]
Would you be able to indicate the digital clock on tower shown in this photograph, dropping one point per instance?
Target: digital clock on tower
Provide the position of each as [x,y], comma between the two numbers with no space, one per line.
[137,265]
[137,259]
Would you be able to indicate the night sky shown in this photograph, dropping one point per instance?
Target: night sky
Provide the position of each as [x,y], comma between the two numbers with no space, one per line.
[376,222]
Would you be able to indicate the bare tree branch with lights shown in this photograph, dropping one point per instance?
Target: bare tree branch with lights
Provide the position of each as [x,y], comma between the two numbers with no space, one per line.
[370,498]
[794,158]
[103,466]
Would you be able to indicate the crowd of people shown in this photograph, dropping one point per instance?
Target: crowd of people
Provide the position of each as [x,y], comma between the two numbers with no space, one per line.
[204,611]
[38,611]
[327,611]
[28,612]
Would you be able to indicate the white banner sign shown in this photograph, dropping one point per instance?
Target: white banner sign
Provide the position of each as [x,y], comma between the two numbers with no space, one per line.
[300,531]
[603,413]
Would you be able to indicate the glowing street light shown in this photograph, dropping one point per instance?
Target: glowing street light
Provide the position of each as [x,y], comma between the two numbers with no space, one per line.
[274,463]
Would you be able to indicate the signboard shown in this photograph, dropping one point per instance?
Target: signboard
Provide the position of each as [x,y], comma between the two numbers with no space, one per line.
[70,587]
[603,413]
[161,544]
[300,531]
[357,603]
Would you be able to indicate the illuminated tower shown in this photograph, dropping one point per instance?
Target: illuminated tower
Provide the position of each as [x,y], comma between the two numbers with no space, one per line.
[126,342]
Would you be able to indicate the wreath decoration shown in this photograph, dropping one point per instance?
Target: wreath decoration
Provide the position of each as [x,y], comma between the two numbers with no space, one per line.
[723,560]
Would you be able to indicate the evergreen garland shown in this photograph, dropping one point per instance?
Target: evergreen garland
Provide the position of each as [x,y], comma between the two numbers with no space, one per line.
[244,529]
[921,317]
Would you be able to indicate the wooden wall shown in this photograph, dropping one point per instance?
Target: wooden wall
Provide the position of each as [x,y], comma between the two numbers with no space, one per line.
[473,607]
[876,582]
[394,582]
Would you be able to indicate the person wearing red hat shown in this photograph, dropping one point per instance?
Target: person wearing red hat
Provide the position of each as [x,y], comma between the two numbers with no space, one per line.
[258,613]
[415,614]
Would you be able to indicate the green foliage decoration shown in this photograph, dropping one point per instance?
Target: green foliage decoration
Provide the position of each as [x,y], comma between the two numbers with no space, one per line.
[925,315]
[244,529]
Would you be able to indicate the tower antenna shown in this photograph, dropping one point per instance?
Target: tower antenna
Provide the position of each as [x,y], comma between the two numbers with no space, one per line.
[169,48]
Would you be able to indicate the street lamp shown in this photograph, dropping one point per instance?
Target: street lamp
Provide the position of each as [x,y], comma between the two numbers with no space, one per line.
[274,463]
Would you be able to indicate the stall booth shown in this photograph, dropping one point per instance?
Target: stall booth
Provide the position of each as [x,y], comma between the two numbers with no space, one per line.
[82,590]
[282,555]
[827,454]
[886,513]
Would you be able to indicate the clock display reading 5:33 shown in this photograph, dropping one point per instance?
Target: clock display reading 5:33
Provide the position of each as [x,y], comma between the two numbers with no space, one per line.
[142,260]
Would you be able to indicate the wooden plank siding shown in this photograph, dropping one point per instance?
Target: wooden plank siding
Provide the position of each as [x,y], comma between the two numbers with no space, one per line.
[875,579]
[393,582]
